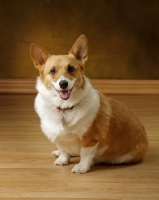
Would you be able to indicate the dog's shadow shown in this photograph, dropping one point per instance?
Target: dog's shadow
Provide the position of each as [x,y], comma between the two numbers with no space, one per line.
[110,167]
[103,166]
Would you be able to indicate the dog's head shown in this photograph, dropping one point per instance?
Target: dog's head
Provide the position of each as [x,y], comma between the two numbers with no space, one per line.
[62,72]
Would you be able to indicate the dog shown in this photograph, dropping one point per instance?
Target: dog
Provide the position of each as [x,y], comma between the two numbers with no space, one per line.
[80,120]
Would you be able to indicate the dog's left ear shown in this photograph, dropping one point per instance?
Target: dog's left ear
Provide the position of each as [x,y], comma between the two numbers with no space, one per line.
[80,49]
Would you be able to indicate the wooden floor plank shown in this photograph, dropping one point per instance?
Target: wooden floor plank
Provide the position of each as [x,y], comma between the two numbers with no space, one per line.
[107,86]
[27,168]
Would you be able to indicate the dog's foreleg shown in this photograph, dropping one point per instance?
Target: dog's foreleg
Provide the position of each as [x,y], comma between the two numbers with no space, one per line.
[87,155]
[56,153]
[63,158]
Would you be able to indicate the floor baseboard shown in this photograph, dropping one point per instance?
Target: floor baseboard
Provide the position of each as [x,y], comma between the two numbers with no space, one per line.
[136,87]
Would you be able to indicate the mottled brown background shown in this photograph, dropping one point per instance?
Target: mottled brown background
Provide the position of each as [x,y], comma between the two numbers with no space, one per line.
[123,35]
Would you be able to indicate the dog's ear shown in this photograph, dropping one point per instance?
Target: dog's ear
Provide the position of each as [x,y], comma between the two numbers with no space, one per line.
[38,55]
[80,49]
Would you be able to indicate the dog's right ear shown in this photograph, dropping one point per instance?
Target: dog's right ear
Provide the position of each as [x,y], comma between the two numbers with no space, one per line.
[38,55]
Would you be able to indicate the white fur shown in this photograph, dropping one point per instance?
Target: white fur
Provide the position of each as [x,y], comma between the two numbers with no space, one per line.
[87,156]
[99,154]
[122,159]
[85,104]
[56,153]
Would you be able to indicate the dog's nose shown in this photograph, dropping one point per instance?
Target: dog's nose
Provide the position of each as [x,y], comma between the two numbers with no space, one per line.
[63,84]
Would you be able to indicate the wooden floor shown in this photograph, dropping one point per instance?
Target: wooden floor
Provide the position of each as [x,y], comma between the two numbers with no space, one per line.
[27,168]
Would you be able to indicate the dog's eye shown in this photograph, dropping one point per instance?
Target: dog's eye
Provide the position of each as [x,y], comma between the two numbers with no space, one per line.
[70,69]
[53,71]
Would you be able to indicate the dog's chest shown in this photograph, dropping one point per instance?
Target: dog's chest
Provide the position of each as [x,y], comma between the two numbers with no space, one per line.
[57,123]
[59,127]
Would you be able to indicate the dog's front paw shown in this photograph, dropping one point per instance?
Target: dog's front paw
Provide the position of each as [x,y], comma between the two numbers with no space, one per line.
[61,161]
[80,169]
[56,153]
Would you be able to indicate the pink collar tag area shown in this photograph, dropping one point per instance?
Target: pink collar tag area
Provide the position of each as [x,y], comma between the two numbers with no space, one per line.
[63,113]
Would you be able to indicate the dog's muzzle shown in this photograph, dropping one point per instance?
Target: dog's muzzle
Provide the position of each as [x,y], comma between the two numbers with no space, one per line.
[64,87]
[63,84]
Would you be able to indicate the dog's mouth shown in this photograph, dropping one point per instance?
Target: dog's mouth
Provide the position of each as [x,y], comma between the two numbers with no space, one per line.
[65,94]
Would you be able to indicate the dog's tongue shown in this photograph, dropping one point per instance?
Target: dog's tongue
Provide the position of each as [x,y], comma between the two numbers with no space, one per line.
[64,94]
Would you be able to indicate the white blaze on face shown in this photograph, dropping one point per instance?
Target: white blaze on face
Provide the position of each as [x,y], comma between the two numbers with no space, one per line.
[64,92]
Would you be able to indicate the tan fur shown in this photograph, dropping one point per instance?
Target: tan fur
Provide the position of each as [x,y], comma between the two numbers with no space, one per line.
[114,128]
[127,129]
[121,131]
[44,62]
[60,63]
[98,131]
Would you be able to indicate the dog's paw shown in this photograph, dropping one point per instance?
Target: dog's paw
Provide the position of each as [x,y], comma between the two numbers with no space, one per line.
[80,169]
[61,161]
[56,153]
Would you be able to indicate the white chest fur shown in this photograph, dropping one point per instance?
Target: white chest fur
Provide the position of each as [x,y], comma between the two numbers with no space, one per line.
[68,124]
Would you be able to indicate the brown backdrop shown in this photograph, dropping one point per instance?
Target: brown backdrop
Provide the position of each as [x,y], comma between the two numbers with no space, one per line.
[123,35]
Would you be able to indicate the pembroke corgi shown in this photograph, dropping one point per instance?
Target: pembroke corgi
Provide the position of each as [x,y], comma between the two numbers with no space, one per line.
[80,120]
